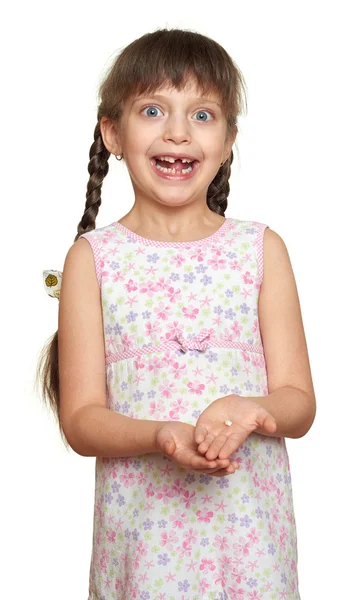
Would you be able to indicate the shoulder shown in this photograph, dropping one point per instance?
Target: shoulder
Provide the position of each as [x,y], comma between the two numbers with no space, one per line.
[276,261]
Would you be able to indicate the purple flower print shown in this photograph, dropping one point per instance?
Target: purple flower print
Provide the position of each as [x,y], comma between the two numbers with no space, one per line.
[205,478]
[284,578]
[174,276]
[251,582]
[127,534]
[131,316]
[196,414]
[222,482]
[147,524]
[245,521]
[146,314]
[229,314]
[135,535]
[224,389]
[151,393]
[108,329]
[120,500]
[137,395]
[231,254]
[271,548]
[229,293]
[114,265]
[204,541]
[245,499]
[163,559]
[248,385]
[113,308]
[108,498]
[201,268]
[136,512]
[212,356]
[218,310]
[279,477]
[236,390]
[190,478]
[189,277]
[125,407]
[259,513]
[232,517]
[145,596]
[234,371]
[269,450]
[244,308]
[206,280]
[117,329]
[250,230]
[117,406]
[136,465]
[123,385]
[162,523]
[115,487]
[246,450]
[152,258]
[183,585]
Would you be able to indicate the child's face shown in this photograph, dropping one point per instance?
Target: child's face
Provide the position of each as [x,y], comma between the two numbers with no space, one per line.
[170,122]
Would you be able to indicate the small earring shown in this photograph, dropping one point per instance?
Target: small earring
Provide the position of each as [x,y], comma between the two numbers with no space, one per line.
[119,156]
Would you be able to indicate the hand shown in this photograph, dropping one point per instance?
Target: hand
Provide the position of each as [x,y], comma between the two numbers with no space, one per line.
[215,439]
[177,441]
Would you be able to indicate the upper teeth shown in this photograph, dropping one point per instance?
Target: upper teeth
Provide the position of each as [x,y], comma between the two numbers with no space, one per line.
[172,160]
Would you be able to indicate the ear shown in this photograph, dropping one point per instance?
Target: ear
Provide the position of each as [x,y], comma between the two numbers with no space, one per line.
[229,143]
[110,136]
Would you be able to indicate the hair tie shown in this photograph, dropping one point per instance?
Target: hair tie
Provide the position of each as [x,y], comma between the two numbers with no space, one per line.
[52,283]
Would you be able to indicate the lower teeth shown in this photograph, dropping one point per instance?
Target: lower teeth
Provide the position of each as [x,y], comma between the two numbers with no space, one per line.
[173,171]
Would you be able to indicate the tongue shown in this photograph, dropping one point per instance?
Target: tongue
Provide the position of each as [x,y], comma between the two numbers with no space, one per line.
[177,165]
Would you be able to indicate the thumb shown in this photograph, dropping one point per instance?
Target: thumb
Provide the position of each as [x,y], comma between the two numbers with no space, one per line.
[270,424]
[166,442]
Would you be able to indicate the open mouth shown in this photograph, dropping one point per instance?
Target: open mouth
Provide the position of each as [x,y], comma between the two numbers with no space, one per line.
[176,166]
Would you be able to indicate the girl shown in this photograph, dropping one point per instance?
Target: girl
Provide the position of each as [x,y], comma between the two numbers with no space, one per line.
[183,361]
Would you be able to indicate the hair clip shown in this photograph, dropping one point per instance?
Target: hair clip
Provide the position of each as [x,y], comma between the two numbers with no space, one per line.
[52,283]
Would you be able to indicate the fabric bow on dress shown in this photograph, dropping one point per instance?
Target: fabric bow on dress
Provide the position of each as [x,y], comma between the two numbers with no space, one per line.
[200,341]
[52,283]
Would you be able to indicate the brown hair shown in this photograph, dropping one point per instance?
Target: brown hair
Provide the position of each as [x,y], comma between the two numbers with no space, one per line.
[144,66]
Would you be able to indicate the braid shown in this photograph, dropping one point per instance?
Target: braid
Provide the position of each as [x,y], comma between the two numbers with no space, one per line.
[218,190]
[98,168]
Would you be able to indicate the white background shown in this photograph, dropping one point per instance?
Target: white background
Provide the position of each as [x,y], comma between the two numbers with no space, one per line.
[293,172]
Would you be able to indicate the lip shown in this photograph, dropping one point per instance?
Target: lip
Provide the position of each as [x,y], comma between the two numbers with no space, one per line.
[171,177]
[174,155]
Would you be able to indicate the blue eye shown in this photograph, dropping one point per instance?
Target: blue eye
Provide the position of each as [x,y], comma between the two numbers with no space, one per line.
[203,112]
[151,108]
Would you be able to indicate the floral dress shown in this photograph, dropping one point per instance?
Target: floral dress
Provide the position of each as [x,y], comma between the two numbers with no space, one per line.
[181,330]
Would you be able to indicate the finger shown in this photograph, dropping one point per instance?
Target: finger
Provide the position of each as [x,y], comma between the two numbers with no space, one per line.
[200,433]
[223,472]
[204,446]
[269,424]
[216,446]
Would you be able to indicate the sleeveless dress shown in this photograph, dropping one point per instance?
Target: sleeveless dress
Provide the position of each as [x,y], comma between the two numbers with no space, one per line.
[181,330]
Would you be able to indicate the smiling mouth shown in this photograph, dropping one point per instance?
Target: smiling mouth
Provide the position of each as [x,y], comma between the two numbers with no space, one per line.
[176,168]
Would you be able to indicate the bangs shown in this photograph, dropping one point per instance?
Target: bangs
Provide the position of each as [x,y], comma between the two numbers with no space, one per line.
[176,59]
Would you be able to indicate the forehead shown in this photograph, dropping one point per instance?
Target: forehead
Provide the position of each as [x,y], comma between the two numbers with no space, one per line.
[190,87]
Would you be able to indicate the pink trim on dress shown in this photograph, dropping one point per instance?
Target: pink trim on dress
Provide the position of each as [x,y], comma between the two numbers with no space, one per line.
[96,251]
[209,239]
[260,250]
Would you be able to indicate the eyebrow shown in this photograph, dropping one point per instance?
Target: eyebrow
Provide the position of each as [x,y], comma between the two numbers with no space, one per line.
[160,97]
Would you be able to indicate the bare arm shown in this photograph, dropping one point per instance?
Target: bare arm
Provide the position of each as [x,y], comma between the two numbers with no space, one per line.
[89,426]
[291,399]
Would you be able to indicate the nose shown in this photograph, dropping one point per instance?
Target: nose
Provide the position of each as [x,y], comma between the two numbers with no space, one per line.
[177,129]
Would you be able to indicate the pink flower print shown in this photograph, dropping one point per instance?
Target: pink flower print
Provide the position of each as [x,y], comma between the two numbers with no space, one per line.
[152,329]
[178,487]
[165,493]
[221,543]
[163,283]
[190,312]
[127,479]
[149,490]
[177,370]
[255,595]
[236,328]
[255,329]
[204,585]
[191,535]
[247,277]
[118,276]
[156,408]
[178,406]
[207,565]
[238,574]
[245,355]
[141,478]
[155,363]
[118,584]
[168,539]
[138,363]
[217,263]
[177,260]
[162,311]
[128,340]
[131,286]
[195,387]
[172,294]
[253,536]
[184,549]
[188,498]
[111,535]
[149,287]
[198,254]
[179,519]
[256,480]
[204,515]
[235,265]
[242,547]
[167,388]
[142,548]
[174,329]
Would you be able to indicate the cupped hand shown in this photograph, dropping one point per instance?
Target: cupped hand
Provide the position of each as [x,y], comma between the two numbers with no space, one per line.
[176,440]
[215,439]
